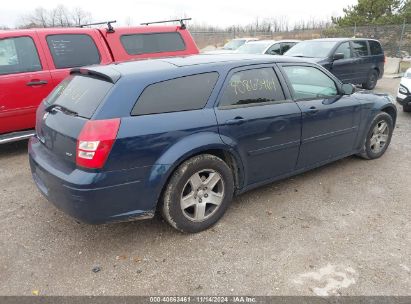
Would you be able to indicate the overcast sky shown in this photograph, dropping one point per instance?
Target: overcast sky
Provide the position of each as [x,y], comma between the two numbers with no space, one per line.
[220,12]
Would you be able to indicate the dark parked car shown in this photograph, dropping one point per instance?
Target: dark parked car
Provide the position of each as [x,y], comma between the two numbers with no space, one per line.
[182,135]
[357,61]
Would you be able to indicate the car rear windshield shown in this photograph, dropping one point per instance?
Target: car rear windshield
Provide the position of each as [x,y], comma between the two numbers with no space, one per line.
[137,44]
[312,49]
[253,48]
[79,94]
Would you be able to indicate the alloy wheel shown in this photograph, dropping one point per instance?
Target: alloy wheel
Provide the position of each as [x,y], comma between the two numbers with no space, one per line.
[202,195]
[379,137]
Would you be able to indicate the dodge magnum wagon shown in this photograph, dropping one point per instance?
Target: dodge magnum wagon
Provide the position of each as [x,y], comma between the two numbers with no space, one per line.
[182,135]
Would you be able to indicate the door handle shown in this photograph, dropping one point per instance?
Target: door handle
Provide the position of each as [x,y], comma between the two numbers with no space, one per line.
[236,121]
[36,82]
[312,110]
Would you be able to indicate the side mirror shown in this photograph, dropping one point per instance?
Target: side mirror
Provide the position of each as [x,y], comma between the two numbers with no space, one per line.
[338,56]
[347,89]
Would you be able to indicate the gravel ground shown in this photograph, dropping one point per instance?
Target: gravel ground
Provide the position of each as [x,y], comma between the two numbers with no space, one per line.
[341,229]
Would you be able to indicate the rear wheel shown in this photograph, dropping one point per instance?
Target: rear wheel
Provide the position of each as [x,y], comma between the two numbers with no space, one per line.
[371,81]
[406,108]
[378,137]
[198,193]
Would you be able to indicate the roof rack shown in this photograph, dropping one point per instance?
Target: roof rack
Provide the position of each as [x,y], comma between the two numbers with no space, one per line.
[182,24]
[110,28]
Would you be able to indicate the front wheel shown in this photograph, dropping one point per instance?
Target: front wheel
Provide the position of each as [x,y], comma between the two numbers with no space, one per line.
[198,193]
[378,137]
[406,108]
[371,81]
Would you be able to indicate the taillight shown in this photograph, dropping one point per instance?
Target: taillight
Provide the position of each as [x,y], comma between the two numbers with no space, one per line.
[95,142]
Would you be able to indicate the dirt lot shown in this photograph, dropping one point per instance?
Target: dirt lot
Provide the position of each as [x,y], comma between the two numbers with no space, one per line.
[341,229]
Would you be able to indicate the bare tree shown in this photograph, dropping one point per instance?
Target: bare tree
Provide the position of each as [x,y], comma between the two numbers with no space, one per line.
[128,21]
[59,16]
[80,16]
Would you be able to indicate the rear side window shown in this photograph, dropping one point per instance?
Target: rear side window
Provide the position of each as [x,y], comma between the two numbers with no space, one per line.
[360,48]
[375,47]
[80,94]
[18,55]
[180,94]
[285,46]
[137,44]
[73,50]
[252,87]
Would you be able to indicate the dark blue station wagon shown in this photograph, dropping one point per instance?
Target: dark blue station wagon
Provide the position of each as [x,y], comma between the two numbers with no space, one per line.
[183,135]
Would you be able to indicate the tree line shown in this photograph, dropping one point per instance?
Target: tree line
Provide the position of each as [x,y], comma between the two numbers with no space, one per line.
[365,12]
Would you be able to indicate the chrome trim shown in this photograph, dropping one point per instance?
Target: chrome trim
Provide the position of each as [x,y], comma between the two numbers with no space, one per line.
[16,136]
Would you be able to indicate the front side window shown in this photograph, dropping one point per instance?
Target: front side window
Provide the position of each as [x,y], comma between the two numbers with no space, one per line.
[73,50]
[309,82]
[18,55]
[344,49]
[360,48]
[137,44]
[251,87]
[180,94]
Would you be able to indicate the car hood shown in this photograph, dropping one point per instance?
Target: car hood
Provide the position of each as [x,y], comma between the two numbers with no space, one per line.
[312,59]
[374,96]
[406,82]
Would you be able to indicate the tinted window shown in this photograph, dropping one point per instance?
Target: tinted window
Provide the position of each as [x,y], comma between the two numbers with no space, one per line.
[252,86]
[345,49]
[309,82]
[80,94]
[73,50]
[360,48]
[375,47]
[180,94]
[152,43]
[274,49]
[286,46]
[18,55]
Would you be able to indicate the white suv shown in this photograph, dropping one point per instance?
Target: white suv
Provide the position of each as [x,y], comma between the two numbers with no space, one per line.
[404,91]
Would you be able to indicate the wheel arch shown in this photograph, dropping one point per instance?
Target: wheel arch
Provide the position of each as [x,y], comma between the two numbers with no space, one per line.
[390,110]
[193,145]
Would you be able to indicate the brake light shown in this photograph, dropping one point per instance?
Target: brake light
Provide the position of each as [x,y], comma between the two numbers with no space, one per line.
[95,142]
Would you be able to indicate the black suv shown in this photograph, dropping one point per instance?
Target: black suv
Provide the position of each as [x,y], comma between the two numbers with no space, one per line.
[357,61]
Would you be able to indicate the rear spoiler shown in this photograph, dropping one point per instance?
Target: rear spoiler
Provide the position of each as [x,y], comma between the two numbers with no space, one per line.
[103,73]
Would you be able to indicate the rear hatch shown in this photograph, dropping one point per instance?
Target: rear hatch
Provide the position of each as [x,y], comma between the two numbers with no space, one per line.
[66,111]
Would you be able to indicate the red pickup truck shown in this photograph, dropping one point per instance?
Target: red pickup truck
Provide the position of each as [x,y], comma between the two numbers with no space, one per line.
[33,62]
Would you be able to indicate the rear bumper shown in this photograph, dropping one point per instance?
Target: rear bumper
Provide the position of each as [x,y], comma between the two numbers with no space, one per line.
[91,197]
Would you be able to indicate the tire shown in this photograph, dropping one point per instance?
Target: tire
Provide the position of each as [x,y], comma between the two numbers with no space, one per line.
[378,138]
[406,108]
[198,194]
[371,81]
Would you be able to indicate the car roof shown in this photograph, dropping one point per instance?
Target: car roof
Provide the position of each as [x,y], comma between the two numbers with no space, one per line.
[262,42]
[60,30]
[171,67]
[340,39]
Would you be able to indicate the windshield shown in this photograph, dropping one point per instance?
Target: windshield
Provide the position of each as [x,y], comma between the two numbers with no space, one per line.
[253,48]
[311,49]
[408,75]
[79,94]
[233,44]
